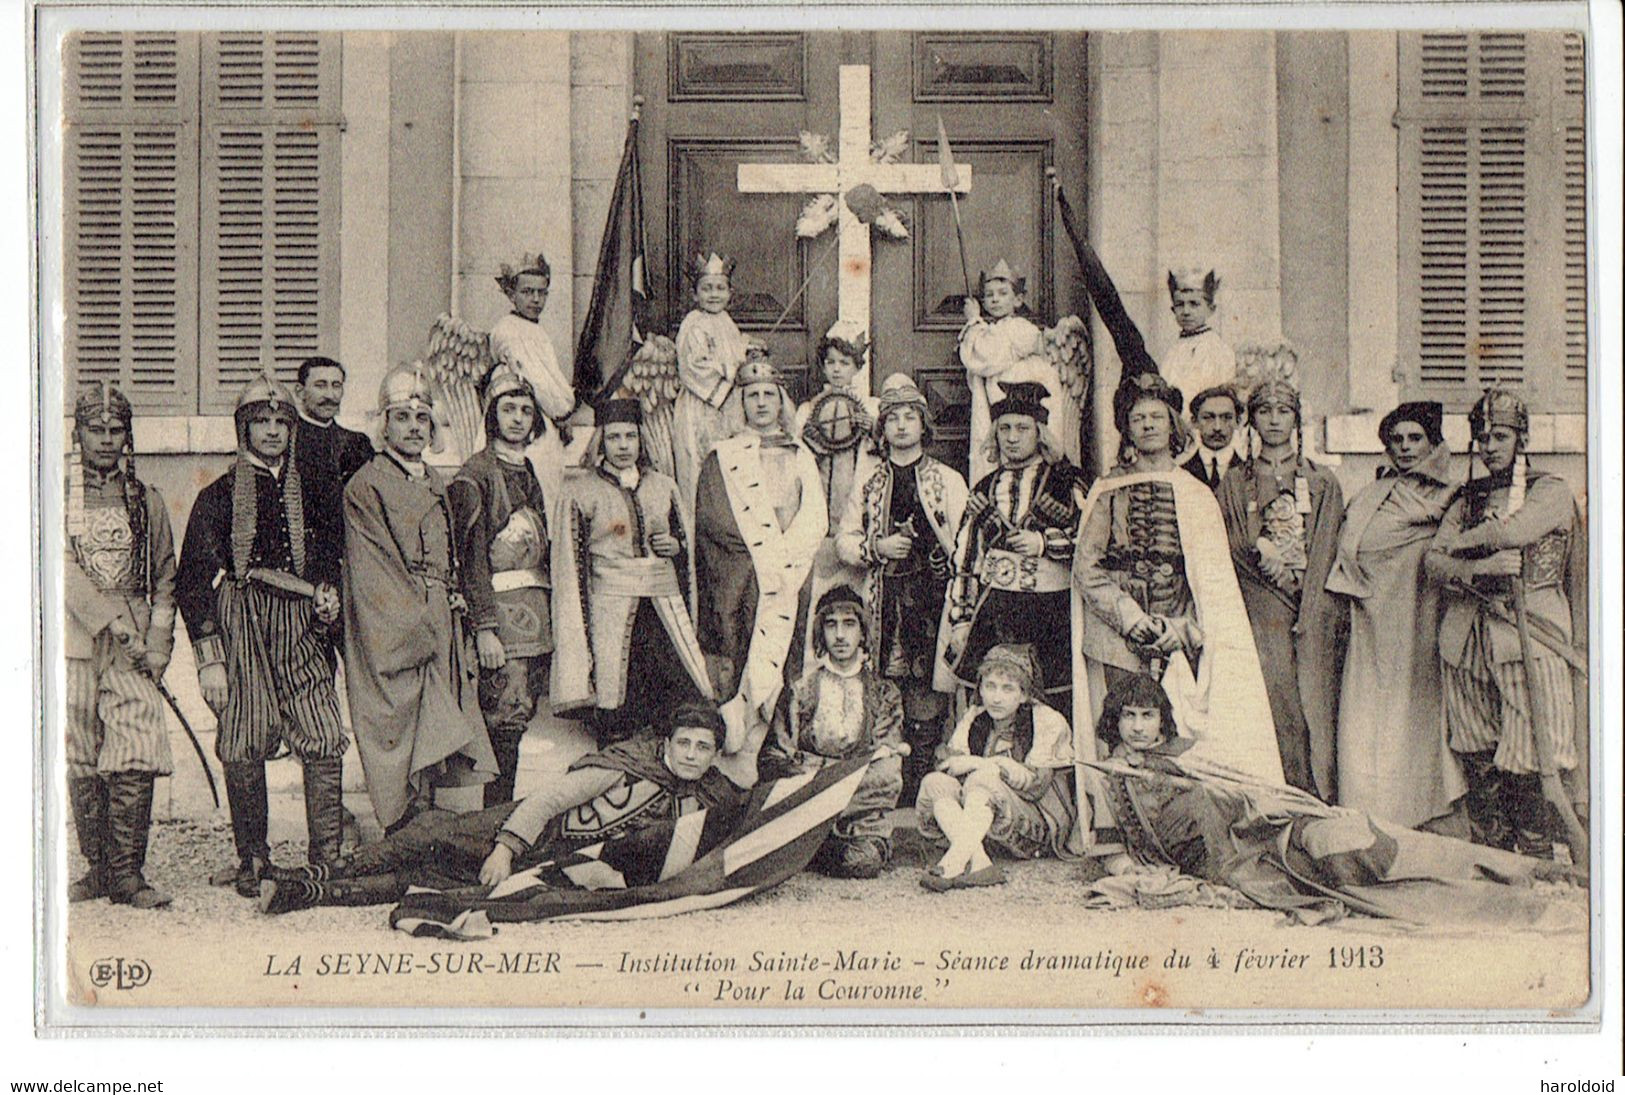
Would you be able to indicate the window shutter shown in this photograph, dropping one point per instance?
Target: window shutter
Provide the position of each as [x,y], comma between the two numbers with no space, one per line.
[1492,215]
[1574,211]
[270,173]
[130,213]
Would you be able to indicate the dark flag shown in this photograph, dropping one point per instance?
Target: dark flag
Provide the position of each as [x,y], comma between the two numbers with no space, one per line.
[618,315]
[702,860]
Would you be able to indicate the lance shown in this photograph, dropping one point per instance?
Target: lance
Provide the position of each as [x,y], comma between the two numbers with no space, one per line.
[950,180]
[1551,780]
[197,746]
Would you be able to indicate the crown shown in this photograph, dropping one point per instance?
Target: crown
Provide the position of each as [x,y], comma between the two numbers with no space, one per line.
[1205,282]
[1002,272]
[757,369]
[712,263]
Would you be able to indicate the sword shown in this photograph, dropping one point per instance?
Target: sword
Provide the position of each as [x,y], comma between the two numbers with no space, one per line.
[1551,779]
[197,746]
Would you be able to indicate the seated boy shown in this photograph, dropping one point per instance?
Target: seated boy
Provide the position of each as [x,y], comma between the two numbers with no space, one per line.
[841,708]
[1003,778]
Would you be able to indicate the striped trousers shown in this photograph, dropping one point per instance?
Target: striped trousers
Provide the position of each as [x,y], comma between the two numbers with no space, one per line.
[279,676]
[1487,706]
[115,717]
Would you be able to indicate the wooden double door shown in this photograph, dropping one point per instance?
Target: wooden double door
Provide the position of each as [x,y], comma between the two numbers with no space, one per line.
[1012,104]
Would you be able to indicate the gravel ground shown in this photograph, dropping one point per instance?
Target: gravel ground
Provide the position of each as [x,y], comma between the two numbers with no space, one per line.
[212,947]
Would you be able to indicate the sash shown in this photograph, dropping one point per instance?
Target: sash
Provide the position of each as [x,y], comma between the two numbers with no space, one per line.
[1001,569]
[506,581]
[649,576]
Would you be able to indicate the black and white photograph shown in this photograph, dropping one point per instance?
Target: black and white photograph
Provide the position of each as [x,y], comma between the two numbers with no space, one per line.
[753,519]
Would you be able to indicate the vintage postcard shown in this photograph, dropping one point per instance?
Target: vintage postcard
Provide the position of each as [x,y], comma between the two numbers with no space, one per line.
[736,516]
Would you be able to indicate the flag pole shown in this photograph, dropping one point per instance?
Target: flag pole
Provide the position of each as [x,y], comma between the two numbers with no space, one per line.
[950,180]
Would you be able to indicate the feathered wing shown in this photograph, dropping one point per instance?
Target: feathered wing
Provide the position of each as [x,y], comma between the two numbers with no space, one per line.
[651,379]
[458,359]
[1067,346]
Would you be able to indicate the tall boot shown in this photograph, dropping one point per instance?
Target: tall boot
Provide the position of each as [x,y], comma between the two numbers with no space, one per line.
[505,744]
[1484,800]
[88,796]
[324,808]
[291,895]
[246,793]
[1526,809]
[129,815]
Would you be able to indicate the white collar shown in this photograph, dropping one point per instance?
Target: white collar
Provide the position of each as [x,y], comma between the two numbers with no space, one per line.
[275,470]
[512,454]
[834,670]
[313,422]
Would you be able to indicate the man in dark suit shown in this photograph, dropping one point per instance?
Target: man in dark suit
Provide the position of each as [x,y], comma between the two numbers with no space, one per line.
[1215,413]
[327,453]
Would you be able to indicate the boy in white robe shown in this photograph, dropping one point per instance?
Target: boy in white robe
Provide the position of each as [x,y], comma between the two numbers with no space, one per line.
[1000,346]
[710,349]
[1201,359]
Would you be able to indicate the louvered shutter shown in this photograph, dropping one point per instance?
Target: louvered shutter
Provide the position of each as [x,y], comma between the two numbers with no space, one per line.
[269,235]
[1572,116]
[130,215]
[1492,216]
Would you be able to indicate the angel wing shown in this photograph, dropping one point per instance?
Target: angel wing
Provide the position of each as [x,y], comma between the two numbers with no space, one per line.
[457,361]
[1067,346]
[651,379]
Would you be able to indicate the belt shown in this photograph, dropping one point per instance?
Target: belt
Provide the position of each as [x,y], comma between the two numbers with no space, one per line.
[503,581]
[1023,573]
[281,579]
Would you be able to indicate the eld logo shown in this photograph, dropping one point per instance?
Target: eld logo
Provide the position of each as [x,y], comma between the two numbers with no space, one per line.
[121,973]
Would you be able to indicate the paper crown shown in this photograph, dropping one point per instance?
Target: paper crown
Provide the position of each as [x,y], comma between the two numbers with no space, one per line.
[1191,277]
[528,264]
[102,403]
[1498,407]
[1002,272]
[712,263]
[849,337]
[267,389]
[1022,397]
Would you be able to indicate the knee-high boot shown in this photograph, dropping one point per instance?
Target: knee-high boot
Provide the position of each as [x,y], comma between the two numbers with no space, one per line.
[246,793]
[88,797]
[324,808]
[1526,808]
[290,895]
[505,744]
[129,816]
[1484,800]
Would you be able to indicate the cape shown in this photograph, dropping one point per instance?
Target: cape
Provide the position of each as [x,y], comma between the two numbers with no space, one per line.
[409,674]
[1222,705]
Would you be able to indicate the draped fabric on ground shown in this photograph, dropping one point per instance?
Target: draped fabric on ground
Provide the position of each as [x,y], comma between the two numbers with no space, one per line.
[702,860]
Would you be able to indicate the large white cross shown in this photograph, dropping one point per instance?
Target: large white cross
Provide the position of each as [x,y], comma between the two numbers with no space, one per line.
[851,168]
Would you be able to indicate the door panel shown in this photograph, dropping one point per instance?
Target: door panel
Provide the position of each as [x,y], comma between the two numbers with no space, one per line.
[1012,104]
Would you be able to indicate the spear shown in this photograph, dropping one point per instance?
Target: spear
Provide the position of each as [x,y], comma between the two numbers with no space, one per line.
[950,180]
